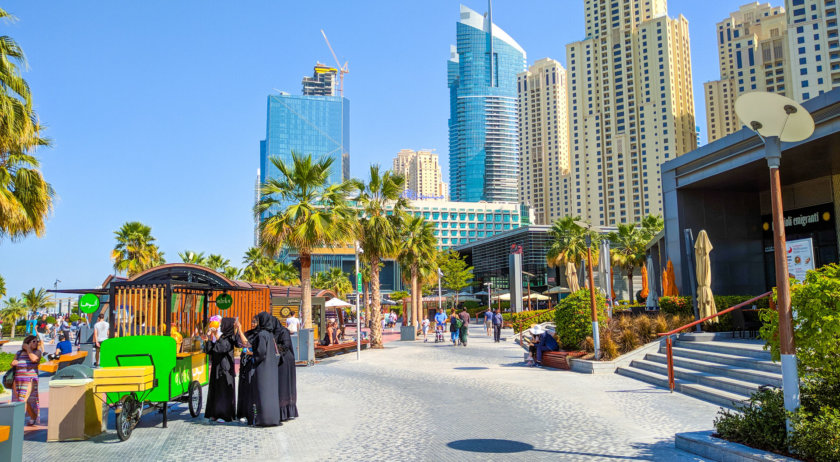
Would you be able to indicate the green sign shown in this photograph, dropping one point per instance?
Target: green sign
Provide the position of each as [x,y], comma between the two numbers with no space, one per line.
[224,301]
[359,282]
[89,303]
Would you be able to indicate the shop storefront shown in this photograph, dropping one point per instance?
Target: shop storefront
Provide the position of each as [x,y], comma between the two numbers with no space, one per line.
[811,240]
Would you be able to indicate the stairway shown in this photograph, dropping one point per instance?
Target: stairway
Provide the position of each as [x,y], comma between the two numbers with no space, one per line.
[721,372]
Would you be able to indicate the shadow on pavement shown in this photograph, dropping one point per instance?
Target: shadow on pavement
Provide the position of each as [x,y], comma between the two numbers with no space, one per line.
[660,450]
[470,368]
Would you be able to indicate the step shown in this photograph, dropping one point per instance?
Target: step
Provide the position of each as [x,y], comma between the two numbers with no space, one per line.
[703,378]
[722,358]
[735,372]
[751,350]
[712,395]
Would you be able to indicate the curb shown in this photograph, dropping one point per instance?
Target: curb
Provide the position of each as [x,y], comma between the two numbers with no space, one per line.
[705,445]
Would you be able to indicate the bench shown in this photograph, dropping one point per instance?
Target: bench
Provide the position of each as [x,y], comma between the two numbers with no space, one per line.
[560,359]
[63,361]
[322,351]
[3,342]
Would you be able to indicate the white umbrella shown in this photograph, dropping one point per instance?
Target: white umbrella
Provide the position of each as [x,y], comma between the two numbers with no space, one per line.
[502,297]
[536,297]
[336,303]
[557,290]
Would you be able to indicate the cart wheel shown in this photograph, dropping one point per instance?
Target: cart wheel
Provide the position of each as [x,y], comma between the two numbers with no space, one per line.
[195,398]
[126,418]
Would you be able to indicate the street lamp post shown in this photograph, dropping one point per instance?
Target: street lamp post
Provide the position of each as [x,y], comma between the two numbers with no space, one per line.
[440,293]
[358,296]
[489,295]
[776,118]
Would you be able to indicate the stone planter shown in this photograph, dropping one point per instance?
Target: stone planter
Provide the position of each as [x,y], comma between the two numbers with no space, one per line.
[705,445]
[408,333]
[12,415]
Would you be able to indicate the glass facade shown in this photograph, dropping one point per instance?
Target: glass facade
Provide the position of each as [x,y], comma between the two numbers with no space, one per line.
[317,125]
[483,131]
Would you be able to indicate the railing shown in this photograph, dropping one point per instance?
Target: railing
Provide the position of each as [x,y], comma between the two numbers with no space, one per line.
[668,340]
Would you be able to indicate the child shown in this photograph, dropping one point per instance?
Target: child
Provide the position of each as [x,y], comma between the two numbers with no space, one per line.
[425,325]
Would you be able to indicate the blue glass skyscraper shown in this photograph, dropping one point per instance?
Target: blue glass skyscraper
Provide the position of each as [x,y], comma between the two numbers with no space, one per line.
[317,123]
[483,131]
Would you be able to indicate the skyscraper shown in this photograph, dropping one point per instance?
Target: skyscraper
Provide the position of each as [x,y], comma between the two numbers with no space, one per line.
[813,46]
[422,174]
[483,135]
[308,124]
[544,140]
[630,108]
[752,49]
[322,82]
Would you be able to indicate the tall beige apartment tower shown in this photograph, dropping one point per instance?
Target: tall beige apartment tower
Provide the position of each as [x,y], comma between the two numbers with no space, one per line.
[814,46]
[631,108]
[752,50]
[422,174]
[544,140]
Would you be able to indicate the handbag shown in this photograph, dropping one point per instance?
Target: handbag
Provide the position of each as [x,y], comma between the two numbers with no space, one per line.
[9,378]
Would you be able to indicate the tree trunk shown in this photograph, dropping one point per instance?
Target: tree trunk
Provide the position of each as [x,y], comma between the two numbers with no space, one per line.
[366,290]
[306,289]
[630,286]
[376,309]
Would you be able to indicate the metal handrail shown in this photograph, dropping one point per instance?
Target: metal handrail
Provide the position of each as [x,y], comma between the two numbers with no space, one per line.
[668,340]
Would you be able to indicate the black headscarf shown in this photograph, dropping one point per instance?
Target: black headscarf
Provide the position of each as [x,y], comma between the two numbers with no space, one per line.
[265,322]
[227,328]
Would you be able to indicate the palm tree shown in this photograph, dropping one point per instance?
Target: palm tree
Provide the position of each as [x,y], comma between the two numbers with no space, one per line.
[12,312]
[231,272]
[568,243]
[418,250]
[627,250]
[2,287]
[135,251]
[25,197]
[303,211]
[650,226]
[378,231]
[35,301]
[188,256]
[284,274]
[216,262]
[335,280]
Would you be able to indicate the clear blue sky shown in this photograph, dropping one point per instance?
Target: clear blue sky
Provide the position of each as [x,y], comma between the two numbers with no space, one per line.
[156,108]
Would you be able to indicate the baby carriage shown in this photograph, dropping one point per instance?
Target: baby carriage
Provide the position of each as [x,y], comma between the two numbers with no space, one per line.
[438,332]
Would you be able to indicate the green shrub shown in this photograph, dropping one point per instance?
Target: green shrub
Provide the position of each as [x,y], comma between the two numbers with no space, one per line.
[679,305]
[74,317]
[573,318]
[525,319]
[6,361]
[816,436]
[51,320]
[759,424]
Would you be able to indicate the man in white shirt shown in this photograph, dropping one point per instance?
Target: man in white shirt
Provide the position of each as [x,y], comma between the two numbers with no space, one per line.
[100,334]
[292,323]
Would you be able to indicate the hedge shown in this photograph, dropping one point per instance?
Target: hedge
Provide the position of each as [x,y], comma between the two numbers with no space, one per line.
[573,318]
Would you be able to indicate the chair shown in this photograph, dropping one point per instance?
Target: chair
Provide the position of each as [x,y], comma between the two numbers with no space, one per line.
[742,324]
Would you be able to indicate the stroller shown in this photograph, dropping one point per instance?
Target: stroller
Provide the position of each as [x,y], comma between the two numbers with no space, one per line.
[438,332]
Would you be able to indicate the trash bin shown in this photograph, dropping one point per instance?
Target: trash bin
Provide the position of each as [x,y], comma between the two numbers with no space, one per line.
[75,413]
[12,418]
[91,352]
[304,346]
[76,371]
[408,333]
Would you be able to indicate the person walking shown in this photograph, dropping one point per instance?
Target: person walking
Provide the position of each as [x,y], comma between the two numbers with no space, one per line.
[41,329]
[465,318]
[497,325]
[100,334]
[26,378]
[488,320]
[221,396]
[454,327]
[424,324]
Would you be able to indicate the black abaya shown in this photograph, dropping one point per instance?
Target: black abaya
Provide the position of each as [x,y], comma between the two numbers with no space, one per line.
[221,398]
[245,402]
[287,377]
[264,383]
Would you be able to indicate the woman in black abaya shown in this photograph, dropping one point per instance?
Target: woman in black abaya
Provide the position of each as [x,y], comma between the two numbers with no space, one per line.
[221,397]
[287,377]
[264,380]
[245,403]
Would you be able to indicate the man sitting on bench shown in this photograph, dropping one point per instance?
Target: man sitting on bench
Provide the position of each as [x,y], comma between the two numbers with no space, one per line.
[543,341]
[64,347]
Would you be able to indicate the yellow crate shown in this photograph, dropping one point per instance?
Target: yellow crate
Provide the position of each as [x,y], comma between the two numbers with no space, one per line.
[123,380]
[139,386]
[125,371]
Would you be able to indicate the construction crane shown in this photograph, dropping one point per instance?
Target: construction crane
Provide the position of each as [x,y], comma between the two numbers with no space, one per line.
[341,69]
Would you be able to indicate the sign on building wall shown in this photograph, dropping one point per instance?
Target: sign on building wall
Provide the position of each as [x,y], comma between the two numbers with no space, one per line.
[800,257]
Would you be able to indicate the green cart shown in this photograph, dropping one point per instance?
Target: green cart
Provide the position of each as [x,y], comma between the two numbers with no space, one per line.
[144,373]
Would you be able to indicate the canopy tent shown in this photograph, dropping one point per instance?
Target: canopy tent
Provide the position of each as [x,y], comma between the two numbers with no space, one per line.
[385,301]
[337,303]
[468,299]
[482,293]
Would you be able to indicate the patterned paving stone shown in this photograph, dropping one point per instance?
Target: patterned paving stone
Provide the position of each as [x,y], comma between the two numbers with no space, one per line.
[426,401]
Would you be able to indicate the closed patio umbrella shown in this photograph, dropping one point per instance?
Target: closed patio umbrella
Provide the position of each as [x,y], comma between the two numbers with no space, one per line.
[571,277]
[644,292]
[666,290]
[705,298]
[672,280]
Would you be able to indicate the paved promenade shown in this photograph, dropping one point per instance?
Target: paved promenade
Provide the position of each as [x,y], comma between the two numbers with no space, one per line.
[426,401]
